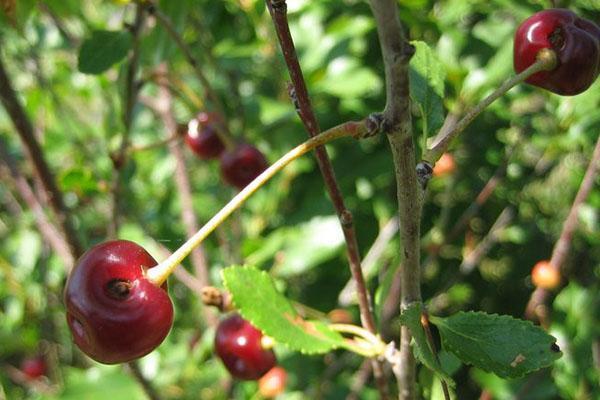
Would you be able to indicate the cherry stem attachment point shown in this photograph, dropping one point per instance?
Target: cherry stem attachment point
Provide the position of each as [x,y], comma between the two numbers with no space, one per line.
[159,274]
[546,60]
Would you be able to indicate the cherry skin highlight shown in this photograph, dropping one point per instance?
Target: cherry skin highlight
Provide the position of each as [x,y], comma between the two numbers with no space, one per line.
[240,166]
[576,42]
[114,313]
[238,345]
[202,138]
[34,367]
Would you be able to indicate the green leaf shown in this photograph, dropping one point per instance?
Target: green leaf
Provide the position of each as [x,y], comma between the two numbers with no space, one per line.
[411,317]
[427,75]
[103,49]
[506,346]
[258,301]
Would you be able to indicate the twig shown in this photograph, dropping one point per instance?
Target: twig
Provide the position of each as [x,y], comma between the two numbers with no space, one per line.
[397,52]
[130,99]
[25,130]
[546,61]
[536,305]
[204,81]
[278,11]
[432,347]
[52,236]
[163,108]
[483,248]
[143,382]
[389,230]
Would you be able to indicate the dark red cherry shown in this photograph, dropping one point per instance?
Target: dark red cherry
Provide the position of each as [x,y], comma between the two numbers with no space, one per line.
[240,166]
[202,137]
[114,313]
[34,367]
[239,346]
[576,42]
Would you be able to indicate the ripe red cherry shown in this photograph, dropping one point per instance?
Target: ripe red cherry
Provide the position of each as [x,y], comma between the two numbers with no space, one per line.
[272,384]
[240,166]
[202,137]
[239,346]
[545,276]
[34,367]
[114,313]
[576,42]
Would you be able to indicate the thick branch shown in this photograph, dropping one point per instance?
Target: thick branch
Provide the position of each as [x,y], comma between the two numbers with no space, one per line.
[25,130]
[396,52]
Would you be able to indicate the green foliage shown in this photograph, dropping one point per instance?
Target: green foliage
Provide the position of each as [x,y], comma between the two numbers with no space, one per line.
[102,50]
[533,146]
[506,346]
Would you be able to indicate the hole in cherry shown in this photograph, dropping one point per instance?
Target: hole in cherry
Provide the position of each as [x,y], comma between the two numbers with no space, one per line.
[557,39]
[118,289]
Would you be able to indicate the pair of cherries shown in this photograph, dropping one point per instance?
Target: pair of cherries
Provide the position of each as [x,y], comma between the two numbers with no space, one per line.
[117,315]
[239,166]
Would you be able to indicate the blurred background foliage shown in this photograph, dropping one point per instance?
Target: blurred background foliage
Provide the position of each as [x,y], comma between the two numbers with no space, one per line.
[536,144]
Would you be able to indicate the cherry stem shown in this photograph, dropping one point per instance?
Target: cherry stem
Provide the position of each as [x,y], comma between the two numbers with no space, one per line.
[365,343]
[159,274]
[546,61]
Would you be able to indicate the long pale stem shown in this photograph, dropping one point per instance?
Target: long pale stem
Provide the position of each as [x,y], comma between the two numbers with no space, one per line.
[161,272]
[546,60]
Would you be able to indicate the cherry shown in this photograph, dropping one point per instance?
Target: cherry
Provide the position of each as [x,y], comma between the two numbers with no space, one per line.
[114,312]
[239,346]
[545,276]
[576,42]
[202,137]
[444,166]
[240,166]
[34,367]
[272,384]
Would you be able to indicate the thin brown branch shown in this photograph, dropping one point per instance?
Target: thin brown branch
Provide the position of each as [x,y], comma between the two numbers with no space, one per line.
[164,109]
[129,100]
[278,11]
[536,306]
[396,52]
[36,156]
[51,235]
[211,93]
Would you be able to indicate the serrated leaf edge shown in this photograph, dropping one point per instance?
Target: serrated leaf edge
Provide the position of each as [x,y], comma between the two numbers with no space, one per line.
[500,316]
[253,322]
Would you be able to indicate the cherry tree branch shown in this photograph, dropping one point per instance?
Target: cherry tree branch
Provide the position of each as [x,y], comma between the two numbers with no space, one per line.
[25,130]
[162,106]
[51,235]
[397,52]
[535,306]
[129,100]
[211,93]
[278,11]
